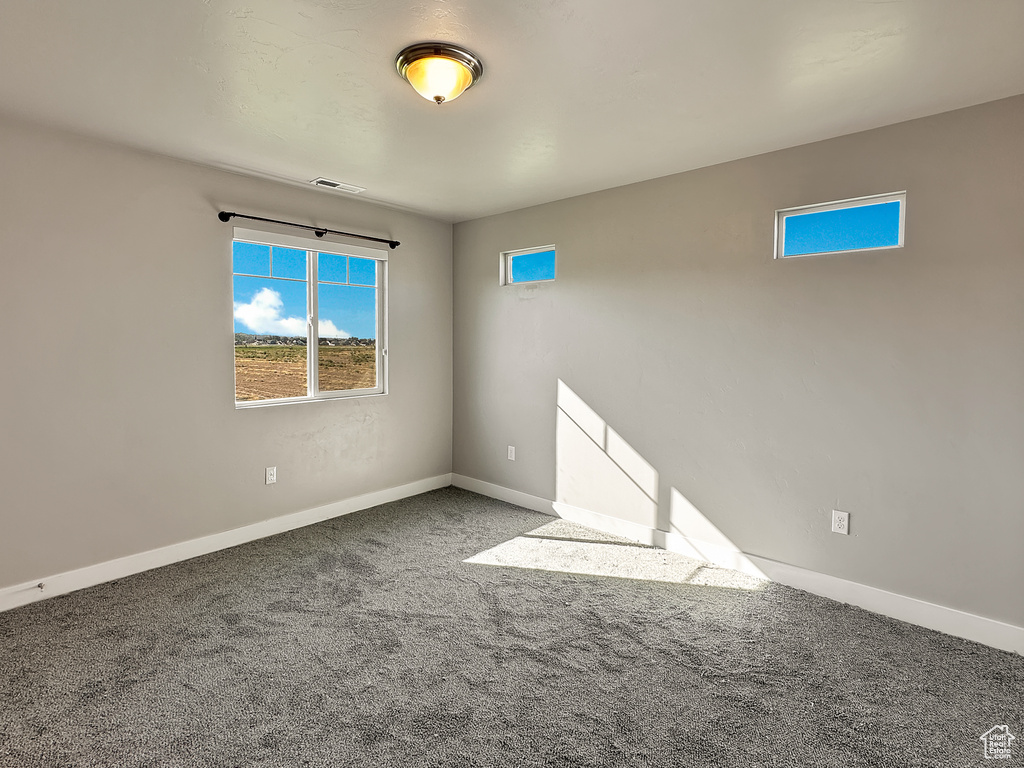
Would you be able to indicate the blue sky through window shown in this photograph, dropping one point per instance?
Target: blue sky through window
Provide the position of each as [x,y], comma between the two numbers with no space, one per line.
[349,308]
[288,262]
[251,259]
[271,306]
[874,225]
[332,268]
[530,267]
[362,271]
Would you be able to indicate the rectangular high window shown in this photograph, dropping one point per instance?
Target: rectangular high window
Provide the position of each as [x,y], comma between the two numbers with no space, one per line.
[309,318]
[530,265]
[845,226]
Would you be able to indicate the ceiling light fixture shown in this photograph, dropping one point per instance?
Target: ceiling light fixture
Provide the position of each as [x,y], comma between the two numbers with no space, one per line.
[439,72]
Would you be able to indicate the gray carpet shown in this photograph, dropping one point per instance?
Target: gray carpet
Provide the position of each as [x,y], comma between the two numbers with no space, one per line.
[368,640]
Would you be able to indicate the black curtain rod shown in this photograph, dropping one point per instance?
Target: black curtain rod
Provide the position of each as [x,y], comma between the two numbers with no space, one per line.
[318,231]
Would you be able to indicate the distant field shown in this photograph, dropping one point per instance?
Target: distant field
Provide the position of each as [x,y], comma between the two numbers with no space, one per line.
[262,373]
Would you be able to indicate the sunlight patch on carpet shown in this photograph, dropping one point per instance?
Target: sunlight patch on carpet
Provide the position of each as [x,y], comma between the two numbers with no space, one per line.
[613,560]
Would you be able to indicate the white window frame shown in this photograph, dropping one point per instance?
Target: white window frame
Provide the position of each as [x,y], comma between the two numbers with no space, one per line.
[854,202]
[505,265]
[313,246]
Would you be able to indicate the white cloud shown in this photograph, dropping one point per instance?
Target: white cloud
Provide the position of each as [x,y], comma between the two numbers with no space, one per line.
[263,315]
[328,330]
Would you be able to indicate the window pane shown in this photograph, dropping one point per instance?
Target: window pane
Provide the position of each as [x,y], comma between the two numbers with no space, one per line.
[348,311]
[362,271]
[290,263]
[843,229]
[270,338]
[348,337]
[274,302]
[332,268]
[250,259]
[528,267]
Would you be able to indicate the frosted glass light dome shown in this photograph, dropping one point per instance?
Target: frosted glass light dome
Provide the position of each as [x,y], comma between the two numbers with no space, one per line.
[439,72]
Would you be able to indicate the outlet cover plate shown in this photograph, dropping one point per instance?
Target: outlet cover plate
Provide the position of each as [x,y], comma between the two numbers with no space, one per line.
[840,522]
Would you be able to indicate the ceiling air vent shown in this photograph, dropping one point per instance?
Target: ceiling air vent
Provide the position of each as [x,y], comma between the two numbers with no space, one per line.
[341,186]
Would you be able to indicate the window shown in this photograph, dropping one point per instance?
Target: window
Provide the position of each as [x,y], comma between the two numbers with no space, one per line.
[861,224]
[530,265]
[310,319]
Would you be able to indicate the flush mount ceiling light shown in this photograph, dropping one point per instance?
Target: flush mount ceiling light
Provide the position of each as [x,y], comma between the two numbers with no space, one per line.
[439,72]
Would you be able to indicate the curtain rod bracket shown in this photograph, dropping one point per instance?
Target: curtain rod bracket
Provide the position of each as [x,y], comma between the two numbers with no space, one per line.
[226,216]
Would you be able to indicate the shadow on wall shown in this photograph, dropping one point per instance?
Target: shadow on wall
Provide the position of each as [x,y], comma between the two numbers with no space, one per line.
[602,482]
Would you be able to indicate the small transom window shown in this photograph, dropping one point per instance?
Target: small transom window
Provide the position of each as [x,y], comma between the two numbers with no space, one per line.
[529,265]
[845,226]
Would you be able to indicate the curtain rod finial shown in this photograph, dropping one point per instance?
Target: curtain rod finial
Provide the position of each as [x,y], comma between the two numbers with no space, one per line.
[225,216]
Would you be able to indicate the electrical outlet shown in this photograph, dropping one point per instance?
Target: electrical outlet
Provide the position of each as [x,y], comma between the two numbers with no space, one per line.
[511,453]
[271,475]
[840,522]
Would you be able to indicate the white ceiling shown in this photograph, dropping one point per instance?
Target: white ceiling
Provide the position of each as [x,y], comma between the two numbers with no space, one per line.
[577,95]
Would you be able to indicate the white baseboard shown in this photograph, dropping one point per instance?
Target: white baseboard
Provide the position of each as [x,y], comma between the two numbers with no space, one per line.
[970,626]
[980,629]
[627,529]
[62,583]
[536,503]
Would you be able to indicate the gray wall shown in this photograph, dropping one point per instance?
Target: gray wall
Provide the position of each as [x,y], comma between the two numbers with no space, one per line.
[887,384]
[118,431]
